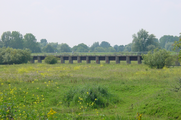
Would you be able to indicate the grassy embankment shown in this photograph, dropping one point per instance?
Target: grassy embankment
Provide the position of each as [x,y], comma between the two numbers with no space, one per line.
[31,90]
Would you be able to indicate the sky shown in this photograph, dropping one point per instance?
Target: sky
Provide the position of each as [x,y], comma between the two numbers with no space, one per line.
[88,21]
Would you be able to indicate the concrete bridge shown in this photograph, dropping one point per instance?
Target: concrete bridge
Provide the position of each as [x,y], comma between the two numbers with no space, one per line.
[89,58]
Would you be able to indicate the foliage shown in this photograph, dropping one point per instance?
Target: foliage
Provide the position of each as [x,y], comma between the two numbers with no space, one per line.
[48,49]
[30,42]
[177,45]
[94,46]
[166,39]
[158,59]
[43,43]
[14,56]
[128,47]
[29,91]
[105,44]
[92,96]
[119,48]
[64,48]
[142,40]
[81,48]
[50,59]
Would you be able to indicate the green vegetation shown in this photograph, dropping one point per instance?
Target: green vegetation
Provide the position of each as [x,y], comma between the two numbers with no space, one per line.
[129,92]
[50,59]
[177,46]
[142,42]
[14,56]
[158,59]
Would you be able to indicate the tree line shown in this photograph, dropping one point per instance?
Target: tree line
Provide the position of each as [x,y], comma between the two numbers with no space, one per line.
[142,41]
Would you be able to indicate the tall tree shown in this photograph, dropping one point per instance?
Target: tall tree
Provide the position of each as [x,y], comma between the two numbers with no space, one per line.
[48,49]
[6,38]
[17,40]
[128,47]
[167,38]
[43,42]
[30,42]
[81,48]
[1,44]
[63,48]
[105,44]
[141,40]
[94,46]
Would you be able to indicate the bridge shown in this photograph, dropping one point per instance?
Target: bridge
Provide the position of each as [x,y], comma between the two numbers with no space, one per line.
[89,58]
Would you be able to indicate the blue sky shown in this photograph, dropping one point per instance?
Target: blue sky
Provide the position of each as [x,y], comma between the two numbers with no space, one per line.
[89,21]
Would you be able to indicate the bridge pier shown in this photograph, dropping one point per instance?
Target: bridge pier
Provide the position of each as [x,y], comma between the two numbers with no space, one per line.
[87,59]
[139,59]
[97,60]
[107,59]
[70,60]
[62,59]
[128,60]
[39,59]
[79,60]
[117,60]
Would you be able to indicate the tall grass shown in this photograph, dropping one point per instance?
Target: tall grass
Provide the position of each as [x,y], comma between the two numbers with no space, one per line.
[39,91]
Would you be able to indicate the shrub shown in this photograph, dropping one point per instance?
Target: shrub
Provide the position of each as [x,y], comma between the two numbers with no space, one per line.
[90,96]
[158,59]
[14,56]
[50,59]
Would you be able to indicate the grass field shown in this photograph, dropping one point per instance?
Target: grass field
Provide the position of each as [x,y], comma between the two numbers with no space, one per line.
[42,91]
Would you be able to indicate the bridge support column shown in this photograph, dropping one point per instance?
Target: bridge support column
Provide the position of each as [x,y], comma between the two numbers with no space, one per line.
[87,59]
[139,59]
[97,60]
[70,60]
[62,59]
[117,60]
[39,59]
[79,60]
[128,60]
[107,59]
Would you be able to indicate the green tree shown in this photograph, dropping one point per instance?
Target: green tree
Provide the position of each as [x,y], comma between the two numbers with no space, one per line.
[81,48]
[64,48]
[94,46]
[1,44]
[167,38]
[48,49]
[119,48]
[111,49]
[150,47]
[99,49]
[16,40]
[6,38]
[177,46]
[17,56]
[158,59]
[30,42]
[169,46]
[128,47]
[141,40]
[43,43]
[105,44]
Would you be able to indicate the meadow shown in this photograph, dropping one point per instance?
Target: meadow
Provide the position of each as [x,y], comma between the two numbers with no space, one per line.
[89,91]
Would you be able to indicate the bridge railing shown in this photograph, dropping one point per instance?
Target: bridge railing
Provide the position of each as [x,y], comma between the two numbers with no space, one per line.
[89,53]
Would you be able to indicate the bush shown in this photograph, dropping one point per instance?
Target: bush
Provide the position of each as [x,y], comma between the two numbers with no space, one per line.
[14,56]
[50,59]
[158,59]
[90,96]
